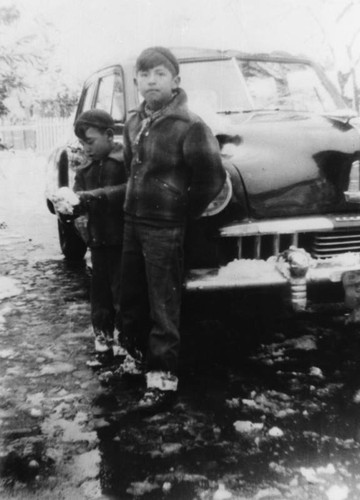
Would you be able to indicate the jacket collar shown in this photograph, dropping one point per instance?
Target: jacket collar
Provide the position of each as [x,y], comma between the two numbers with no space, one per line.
[116,153]
[177,108]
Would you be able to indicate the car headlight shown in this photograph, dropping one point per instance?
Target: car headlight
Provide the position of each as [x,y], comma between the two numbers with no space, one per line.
[355,122]
[222,199]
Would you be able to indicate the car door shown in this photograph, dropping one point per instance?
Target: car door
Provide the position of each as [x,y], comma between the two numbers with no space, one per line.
[110,97]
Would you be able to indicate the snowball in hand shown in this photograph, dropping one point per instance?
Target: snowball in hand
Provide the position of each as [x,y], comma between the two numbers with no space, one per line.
[65,200]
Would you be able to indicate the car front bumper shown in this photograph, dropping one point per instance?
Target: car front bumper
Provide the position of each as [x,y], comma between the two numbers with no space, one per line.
[280,272]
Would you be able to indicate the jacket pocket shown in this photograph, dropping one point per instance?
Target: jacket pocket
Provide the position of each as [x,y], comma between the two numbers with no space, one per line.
[169,188]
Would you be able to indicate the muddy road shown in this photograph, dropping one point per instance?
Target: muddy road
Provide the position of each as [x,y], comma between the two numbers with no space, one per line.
[268,407]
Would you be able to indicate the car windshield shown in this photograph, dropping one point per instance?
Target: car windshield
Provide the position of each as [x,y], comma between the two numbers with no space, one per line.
[215,84]
[238,86]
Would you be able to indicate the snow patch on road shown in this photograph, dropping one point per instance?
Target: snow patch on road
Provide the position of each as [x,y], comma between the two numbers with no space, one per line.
[8,288]
[56,369]
[87,465]
[7,353]
[72,431]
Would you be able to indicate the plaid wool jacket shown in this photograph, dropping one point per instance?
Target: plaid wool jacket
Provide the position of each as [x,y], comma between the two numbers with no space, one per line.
[103,184]
[173,164]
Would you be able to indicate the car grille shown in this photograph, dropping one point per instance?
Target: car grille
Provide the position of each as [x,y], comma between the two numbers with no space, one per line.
[319,245]
[335,243]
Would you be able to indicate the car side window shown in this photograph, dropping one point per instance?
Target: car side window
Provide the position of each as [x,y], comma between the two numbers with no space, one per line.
[110,96]
[88,98]
[118,105]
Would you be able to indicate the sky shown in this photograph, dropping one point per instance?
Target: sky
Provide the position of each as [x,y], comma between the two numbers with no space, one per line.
[90,33]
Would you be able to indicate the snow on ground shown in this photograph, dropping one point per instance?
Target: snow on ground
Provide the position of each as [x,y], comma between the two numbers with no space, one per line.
[8,288]
[23,211]
[23,176]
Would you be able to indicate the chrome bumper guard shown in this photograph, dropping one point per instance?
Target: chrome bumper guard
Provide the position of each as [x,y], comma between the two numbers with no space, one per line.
[294,269]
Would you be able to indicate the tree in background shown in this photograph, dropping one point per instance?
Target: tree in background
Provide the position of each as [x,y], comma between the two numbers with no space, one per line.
[13,53]
[350,10]
[329,32]
[339,26]
[31,85]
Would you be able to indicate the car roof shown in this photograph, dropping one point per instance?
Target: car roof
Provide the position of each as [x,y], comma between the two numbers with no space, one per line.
[186,53]
[195,53]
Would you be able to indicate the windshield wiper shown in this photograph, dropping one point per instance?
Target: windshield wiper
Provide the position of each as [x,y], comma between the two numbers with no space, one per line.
[342,115]
[233,112]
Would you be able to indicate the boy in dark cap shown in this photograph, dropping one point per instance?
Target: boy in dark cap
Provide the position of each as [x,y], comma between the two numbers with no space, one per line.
[175,171]
[100,186]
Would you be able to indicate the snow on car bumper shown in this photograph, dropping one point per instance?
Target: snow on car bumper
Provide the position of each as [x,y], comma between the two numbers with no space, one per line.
[280,271]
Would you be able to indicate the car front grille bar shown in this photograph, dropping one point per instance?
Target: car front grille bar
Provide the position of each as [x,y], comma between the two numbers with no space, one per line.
[262,246]
[318,245]
[330,244]
[321,236]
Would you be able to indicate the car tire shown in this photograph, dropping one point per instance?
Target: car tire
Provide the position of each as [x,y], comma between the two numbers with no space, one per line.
[72,245]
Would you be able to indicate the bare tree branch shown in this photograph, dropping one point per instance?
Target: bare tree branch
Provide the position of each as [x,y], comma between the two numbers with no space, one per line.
[346,9]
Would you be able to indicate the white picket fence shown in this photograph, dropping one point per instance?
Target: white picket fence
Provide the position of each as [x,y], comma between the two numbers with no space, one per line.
[42,135]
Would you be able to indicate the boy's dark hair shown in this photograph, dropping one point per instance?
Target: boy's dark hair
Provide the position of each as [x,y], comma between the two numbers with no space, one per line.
[96,118]
[154,56]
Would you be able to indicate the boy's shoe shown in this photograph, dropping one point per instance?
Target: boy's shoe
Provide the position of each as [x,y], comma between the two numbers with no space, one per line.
[165,381]
[102,343]
[94,363]
[130,366]
[101,359]
[119,351]
[118,345]
[155,400]
[106,377]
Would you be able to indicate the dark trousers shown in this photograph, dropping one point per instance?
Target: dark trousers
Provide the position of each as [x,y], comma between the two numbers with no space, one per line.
[105,288]
[151,286]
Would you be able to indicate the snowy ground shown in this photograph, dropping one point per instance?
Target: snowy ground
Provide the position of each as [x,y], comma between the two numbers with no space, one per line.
[269,404]
[22,198]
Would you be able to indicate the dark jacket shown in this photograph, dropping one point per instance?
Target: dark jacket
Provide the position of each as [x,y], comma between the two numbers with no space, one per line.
[174,165]
[102,185]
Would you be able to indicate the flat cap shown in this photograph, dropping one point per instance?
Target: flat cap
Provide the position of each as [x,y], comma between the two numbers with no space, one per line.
[154,56]
[95,118]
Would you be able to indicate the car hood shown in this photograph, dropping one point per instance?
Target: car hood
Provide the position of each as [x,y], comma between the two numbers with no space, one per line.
[290,163]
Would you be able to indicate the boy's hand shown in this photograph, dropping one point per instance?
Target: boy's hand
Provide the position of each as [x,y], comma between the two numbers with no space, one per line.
[65,200]
[85,196]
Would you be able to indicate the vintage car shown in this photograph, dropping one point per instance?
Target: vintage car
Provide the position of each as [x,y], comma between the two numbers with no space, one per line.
[289,214]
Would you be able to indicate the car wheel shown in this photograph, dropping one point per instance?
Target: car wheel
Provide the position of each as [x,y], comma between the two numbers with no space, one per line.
[72,245]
